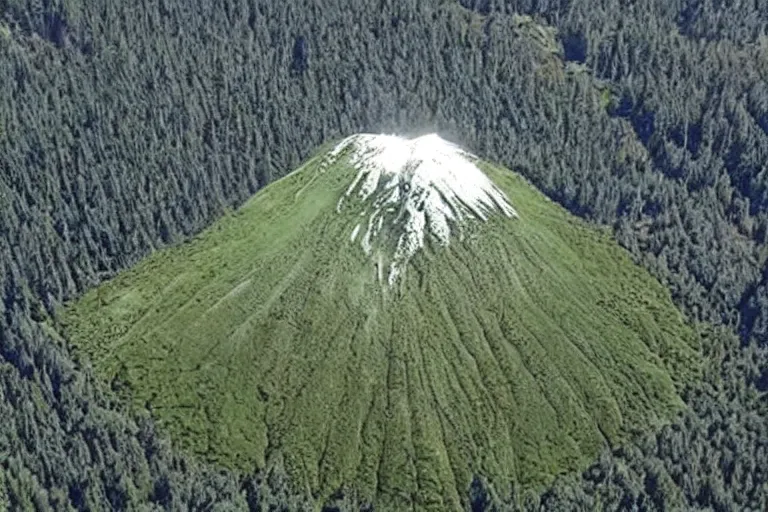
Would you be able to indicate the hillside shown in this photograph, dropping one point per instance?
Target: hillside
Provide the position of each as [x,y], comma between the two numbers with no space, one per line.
[127,128]
[510,340]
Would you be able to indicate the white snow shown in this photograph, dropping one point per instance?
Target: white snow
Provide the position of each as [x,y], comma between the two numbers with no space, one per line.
[425,186]
[355,232]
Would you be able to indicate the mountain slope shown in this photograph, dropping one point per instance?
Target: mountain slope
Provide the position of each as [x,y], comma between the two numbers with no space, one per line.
[511,340]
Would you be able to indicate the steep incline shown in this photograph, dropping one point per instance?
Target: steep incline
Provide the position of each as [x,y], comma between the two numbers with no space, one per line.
[415,189]
[506,338]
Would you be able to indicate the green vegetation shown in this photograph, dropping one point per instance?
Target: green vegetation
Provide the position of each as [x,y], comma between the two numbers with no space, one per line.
[125,127]
[516,353]
[3,493]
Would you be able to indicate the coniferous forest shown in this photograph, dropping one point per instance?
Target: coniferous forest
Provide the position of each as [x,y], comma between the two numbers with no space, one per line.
[126,127]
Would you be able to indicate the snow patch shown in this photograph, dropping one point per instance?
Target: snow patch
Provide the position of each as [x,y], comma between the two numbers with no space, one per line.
[424,186]
[355,232]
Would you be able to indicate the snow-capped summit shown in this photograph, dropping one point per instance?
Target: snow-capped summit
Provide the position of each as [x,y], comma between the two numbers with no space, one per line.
[424,186]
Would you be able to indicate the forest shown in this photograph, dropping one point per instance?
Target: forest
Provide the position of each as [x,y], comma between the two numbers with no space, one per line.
[126,127]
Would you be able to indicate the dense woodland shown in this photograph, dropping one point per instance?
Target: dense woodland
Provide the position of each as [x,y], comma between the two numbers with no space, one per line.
[129,126]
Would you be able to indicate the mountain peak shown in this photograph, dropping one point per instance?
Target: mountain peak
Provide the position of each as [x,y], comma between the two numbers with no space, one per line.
[410,189]
[538,342]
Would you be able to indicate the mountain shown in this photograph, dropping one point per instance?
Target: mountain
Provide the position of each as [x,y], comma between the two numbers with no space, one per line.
[391,319]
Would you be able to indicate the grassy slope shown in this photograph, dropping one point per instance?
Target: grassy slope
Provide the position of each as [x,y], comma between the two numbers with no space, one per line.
[515,353]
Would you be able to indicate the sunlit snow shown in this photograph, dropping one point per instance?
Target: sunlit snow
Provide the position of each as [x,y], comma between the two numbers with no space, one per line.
[425,186]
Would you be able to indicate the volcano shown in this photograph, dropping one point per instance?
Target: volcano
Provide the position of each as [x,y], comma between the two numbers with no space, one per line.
[393,318]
